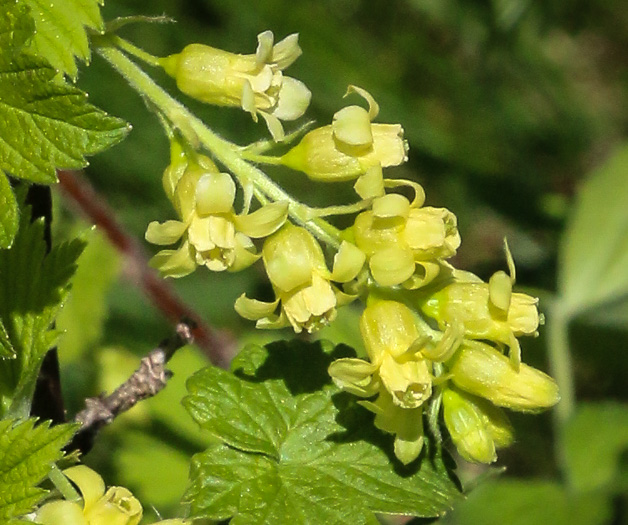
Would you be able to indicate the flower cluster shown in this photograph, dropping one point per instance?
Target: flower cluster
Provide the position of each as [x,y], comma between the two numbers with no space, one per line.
[435,336]
[477,380]
[115,506]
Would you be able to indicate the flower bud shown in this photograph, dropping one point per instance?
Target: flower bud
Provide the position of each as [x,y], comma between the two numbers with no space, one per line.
[481,370]
[476,427]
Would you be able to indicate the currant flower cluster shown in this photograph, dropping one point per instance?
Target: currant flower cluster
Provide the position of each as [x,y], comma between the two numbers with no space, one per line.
[435,336]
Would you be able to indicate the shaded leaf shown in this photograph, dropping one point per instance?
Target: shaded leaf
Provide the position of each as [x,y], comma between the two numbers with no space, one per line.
[595,439]
[60,34]
[33,286]
[594,257]
[26,454]
[529,503]
[289,454]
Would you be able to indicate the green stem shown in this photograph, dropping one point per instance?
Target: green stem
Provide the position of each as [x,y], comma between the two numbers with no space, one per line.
[562,370]
[137,52]
[262,159]
[63,484]
[225,152]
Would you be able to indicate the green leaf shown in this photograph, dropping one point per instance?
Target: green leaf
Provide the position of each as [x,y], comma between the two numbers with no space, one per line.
[290,454]
[594,256]
[45,124]
[33,287]
[515,502]
[6,348]
[595,439]
[16,25]
[98,267]
[26,455]
[8,212]
[60,34]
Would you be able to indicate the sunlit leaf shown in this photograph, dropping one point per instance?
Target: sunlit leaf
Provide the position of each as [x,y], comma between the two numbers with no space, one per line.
[290,455]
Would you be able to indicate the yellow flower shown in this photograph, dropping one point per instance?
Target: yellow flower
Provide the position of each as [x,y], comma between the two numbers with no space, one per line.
[482,370]
[486,310]
[476,427]
[212,234]
[296,267]
[116,506]
[253,82]
[350,146]
[404,242]
[397,372]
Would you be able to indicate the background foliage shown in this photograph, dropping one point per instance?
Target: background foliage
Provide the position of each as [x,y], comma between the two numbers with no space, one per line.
[509,106]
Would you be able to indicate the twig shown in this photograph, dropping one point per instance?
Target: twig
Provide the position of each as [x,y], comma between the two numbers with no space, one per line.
[218,345]
[148,380]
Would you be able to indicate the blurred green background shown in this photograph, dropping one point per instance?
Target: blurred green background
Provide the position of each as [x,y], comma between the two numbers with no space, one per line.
[508,107]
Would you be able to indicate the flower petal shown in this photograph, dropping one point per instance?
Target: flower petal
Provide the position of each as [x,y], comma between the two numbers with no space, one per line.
[90,483]
[286,51]
[392,265]
[352,126]
[354,376]
[164,233]
[215,193]
[263,222]
[371,184]
[347,263]
[60,512]
[174,263]
[293,99]
[391,205]
[253,309]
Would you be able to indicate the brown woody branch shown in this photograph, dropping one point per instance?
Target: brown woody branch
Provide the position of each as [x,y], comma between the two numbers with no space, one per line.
[148,380]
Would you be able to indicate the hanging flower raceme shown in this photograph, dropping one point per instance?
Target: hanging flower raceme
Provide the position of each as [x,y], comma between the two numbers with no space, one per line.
[296,267]
[350,146]
[210,232]
[490,311]
[397,372]
[405,243]
[116,506]
[253,82]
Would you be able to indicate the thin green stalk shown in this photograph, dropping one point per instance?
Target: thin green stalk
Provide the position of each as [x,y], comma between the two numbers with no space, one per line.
[561,369]
[63,484]
[137,52]
[224,152]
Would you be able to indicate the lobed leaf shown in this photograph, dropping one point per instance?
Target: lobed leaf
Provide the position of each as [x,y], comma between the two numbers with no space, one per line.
[60,34]
[289,453]
[27,453]
[33,287]
[45,124]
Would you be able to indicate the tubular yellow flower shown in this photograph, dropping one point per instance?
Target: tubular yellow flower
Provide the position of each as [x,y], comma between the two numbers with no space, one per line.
[477,428]
[350,146]
[296,267]
[405,243]
[253,82]
[212,234]
[486,310]
[482,370]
